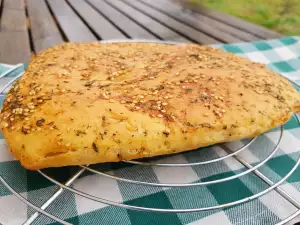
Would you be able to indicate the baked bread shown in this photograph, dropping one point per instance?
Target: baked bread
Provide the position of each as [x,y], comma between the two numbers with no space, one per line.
[90,102]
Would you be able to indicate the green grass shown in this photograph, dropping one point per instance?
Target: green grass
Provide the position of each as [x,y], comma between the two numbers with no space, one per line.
[282,16]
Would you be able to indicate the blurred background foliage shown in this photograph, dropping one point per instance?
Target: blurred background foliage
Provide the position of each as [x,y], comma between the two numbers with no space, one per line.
[282,16]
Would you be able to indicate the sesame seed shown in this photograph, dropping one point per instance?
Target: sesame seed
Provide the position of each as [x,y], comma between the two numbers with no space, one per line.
[68,145]
[111,101]
[223,110]
[105,96]
[166,97]
[160,115]
[26,110]
[177,74]
[12,119]
[202,76]
[163,111]
[164,103]
[26,118]
[183,87]
[123,102]
[151,77]
[137,107]
[141,96]
[40,101]
[39,129]
[206,114]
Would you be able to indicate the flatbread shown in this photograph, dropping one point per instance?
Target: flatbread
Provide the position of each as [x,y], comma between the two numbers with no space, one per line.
[88,103]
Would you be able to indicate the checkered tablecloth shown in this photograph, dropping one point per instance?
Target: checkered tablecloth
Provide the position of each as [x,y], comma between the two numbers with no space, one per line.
[280,55]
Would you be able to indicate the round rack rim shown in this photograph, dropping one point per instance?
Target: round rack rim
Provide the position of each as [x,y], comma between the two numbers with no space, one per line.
[139,208]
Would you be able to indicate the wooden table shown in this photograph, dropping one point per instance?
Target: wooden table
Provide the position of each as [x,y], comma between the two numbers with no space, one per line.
[28,26]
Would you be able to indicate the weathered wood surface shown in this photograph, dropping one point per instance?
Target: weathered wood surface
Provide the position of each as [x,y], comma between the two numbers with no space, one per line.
[29,26]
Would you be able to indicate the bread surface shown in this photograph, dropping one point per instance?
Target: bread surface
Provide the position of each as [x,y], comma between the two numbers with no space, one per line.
[88,103]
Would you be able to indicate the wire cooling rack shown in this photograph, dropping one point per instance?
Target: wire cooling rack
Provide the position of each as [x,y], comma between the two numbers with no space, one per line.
[249,169]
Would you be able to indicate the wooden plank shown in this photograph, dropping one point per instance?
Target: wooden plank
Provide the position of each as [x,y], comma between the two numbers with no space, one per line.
[243,35]
[72,26]
[155,27]
[131,28]
[96,21]
[14,4]
[43,29]
[13,19]
[174,24]
[201,22]
[14,38]
[235,22]
[199,25]
[14,47]
[46,42]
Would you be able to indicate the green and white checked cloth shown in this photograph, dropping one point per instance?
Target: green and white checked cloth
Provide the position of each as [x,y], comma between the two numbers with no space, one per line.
[282,56]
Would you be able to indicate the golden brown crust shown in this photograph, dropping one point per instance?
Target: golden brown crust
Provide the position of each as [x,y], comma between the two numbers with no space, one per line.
[90,103]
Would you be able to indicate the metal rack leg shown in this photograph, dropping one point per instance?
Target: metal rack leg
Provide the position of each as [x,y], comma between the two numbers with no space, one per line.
[20,197]
[59,191]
